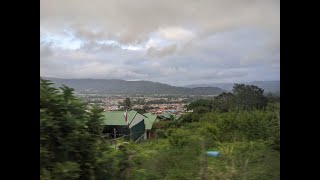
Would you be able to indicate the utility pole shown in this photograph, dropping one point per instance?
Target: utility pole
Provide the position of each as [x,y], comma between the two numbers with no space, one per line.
[203,161]
[115,137]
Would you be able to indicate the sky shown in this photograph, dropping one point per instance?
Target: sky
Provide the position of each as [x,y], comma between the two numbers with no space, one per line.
[177,42]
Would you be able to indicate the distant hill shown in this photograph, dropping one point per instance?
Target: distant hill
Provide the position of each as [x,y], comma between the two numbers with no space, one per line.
[117,86]
[225,86]
[268,86]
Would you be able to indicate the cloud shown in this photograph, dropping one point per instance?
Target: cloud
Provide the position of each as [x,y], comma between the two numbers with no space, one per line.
[45,50]
[178,42]
[131,21]
[176,34]
[154,52]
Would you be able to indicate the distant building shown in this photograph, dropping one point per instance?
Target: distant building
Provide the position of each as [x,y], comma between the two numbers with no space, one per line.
[165,116]
[114,122]
[138,126]
[171,111]
[150,120]
[168,116]
[111,108]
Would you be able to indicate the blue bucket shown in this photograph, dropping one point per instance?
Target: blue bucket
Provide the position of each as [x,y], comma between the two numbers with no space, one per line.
[213,153]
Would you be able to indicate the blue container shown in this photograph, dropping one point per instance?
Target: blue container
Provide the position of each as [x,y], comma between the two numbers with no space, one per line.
[213,153]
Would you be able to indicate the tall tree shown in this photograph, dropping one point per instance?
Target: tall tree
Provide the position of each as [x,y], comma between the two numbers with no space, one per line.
[224,102]
[249,97]
[70,143]
[127,103]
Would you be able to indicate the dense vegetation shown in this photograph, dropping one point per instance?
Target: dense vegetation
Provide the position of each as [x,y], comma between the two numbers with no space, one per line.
[268,86]
[70,143]
[242,125]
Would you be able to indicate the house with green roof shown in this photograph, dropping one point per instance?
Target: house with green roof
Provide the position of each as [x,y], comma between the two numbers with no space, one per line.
[168,116]
[165,116]
[114,121]
[150,120]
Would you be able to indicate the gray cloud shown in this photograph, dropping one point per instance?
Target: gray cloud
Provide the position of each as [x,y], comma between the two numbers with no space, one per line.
[131,21]
[178,42]
[45,50]
[153,52]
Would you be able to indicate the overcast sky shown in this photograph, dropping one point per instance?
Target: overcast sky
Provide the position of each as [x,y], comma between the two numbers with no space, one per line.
[177,42]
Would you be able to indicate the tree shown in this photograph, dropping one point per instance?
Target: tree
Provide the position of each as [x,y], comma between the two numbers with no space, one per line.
[200,103]
[127,103]
[225,102]
[201,110]
[70,136]
[249,97]
[140,111]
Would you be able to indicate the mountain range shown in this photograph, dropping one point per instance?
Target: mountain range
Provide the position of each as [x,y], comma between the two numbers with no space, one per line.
[120,87]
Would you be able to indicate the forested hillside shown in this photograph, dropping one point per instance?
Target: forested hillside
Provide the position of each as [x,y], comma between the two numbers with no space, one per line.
[242,125]
[268,86]
[117,86]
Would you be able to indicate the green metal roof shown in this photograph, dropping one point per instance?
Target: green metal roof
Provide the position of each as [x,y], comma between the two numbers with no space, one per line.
[117,117]
[137,119]
[166,115]
[150,120]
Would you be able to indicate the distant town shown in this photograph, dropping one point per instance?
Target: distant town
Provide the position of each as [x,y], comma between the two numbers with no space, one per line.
[156,104]
[148,96]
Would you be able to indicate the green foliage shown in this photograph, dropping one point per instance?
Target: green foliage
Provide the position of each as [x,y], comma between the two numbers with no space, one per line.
[162,124]
[244,160]
[127,103]
[201,110]
[275,109]
[179,138]
[165,161]
[66,170]
[249,96]
[160,133]
[94,123]
[70,137]
[200,103]
[272,98]
[245,140]
[190,117]
[240,125]
[225,102]
[244,97]
[244,125]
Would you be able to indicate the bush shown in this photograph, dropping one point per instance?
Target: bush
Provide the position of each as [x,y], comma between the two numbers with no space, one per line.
[66,170]
[160,133]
